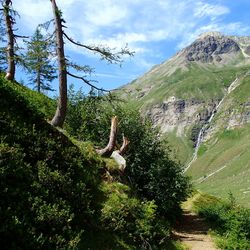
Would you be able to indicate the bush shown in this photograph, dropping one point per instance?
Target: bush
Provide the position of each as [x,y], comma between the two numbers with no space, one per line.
[231,222]
[132,220]
[149,170]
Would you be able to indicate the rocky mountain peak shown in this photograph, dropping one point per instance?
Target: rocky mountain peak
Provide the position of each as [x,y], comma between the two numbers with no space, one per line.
[211,47]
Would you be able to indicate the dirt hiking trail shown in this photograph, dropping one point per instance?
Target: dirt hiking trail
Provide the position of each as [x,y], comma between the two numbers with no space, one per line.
[193,232]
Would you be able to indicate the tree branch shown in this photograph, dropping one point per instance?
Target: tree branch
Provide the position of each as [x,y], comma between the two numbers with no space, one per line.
[18,36]
[108,150]
[124,146]
[87,82]
[105,53]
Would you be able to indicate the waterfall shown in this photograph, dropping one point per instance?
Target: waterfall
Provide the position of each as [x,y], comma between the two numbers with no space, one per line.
[201,134]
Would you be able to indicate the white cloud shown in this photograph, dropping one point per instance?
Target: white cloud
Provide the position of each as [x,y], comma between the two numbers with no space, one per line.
[235,28]
[204,9]
[140,23]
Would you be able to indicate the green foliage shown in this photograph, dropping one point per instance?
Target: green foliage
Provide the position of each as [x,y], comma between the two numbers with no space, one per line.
[134,221]
[38,63]
[48,186]
[149,170]
[51,197]
[228,220]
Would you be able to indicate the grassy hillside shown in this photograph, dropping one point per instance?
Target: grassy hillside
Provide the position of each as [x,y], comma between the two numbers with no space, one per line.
[57,193]
[204,83]
[48,186]
[227,151]
[200,81]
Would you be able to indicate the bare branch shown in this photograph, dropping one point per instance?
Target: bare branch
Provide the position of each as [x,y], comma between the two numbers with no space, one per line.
[18,36]
[87,82]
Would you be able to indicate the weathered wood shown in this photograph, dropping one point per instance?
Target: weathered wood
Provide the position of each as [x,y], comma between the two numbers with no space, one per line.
[124,146]
[60,114]
[108,150]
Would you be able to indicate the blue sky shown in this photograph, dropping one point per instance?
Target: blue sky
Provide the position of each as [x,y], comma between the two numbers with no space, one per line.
[154,29]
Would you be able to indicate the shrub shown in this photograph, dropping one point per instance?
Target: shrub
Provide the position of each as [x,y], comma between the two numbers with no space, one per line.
[149,170]
[132,220]
[230,221]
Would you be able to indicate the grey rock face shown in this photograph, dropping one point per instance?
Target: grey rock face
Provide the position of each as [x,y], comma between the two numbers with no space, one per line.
[181,114]
[210,48]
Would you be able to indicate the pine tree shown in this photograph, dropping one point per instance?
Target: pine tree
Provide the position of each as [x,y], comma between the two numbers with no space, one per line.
[38,63]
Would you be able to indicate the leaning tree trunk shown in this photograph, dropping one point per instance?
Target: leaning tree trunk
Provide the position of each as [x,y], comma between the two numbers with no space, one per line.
[60,114]
[10,74]
[108,150]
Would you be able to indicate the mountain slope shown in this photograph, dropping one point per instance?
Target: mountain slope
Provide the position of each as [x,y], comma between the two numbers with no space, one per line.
[196,97]
[47,184]
[58,193]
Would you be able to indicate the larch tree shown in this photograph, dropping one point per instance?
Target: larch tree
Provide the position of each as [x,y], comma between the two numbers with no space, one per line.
[9,14]
[65,66]
[38,61]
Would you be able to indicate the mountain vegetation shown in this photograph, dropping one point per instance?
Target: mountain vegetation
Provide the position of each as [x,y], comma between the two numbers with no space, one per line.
[38,61]
[229,221]
[199,100]
[56,192]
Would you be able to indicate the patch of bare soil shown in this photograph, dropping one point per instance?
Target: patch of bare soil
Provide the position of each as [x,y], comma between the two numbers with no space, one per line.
[193,232]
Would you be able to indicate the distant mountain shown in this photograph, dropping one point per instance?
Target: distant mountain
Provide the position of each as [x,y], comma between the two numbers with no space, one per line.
[200,99]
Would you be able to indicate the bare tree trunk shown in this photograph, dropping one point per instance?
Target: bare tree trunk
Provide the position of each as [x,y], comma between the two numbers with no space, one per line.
[10,74]
[38,81]
[60,114]
[108,150]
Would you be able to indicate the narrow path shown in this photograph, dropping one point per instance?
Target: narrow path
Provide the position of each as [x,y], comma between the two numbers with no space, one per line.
[193,232]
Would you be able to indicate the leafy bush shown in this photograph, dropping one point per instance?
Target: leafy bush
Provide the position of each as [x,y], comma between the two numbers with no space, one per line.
[134,221]
[230,221]
[149,170]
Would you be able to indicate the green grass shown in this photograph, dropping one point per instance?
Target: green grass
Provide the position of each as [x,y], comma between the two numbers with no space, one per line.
[229,148]
[199,81]
[180,148]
